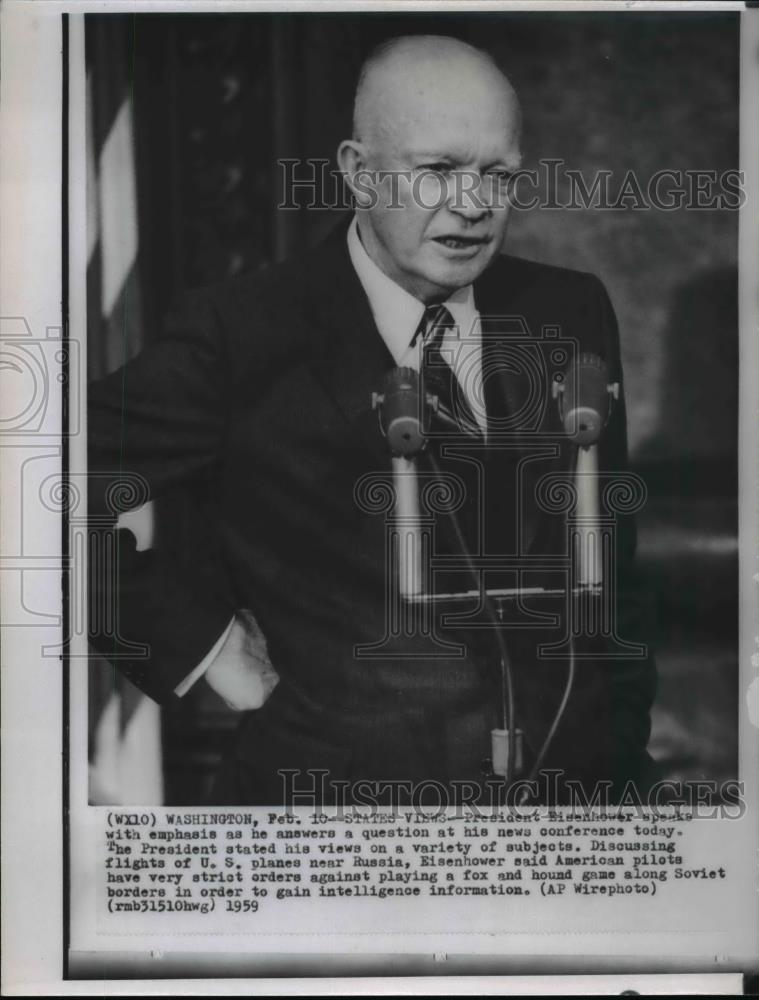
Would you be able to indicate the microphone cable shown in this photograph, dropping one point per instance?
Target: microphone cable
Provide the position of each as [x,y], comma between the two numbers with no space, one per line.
[535,770]
[508,710]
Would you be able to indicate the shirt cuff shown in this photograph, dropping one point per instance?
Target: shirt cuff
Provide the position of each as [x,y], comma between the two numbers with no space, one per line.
[184,685]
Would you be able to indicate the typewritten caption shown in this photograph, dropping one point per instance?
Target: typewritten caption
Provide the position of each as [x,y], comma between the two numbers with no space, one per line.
[244,863]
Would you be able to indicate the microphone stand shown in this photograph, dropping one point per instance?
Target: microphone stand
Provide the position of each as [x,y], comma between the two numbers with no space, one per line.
[408,529]
[403,417]
[503,742]
[584,397]
[587,540]
[588,576]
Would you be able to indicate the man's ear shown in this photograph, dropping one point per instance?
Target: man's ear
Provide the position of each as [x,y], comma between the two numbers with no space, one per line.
[351,159]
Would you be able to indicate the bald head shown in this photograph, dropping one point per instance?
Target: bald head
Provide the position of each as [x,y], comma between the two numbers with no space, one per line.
[418,75]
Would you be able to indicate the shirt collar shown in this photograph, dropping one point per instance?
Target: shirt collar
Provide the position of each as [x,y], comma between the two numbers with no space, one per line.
[397,314]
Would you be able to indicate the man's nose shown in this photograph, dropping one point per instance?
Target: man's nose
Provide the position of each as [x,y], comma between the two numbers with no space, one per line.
[467,197]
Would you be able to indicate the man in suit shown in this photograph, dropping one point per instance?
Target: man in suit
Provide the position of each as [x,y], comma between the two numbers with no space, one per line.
[257,403]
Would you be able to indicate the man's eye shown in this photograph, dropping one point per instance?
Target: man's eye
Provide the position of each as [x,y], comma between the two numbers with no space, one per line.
[500,176]
[436,168]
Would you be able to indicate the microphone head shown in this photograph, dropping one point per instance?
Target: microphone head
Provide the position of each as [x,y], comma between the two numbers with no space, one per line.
[584,399]
[400,414]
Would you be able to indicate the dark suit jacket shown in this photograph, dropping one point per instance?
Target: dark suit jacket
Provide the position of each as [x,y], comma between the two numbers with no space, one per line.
[256,401]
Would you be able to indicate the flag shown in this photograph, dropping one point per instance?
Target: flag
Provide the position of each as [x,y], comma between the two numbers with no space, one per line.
[125,725]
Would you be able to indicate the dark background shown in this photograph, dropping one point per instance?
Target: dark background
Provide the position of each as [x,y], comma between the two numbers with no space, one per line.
[219,99]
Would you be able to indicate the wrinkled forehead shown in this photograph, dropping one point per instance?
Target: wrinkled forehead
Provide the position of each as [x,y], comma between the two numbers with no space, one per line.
[456,107]
[465,133]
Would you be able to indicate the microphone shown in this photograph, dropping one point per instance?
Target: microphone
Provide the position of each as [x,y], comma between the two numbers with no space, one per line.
[584,396]
[399,406]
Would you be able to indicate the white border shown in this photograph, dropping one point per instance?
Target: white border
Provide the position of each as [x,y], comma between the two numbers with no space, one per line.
[30,282]
[30,286]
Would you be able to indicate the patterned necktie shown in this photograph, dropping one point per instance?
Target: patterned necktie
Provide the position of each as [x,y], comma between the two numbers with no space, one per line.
[452,424]
[454,414]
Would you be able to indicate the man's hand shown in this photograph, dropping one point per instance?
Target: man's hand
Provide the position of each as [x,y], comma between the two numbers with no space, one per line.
[242,673]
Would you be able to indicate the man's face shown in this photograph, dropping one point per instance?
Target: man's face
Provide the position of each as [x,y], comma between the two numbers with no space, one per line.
[438,217]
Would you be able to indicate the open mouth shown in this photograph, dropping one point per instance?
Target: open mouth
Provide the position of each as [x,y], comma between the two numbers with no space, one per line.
[460,242]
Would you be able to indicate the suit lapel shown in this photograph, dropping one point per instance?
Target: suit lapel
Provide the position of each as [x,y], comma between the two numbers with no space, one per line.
[354,358]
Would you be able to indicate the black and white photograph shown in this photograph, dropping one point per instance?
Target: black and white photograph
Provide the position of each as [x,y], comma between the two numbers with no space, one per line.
[293,173]
[379,527]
